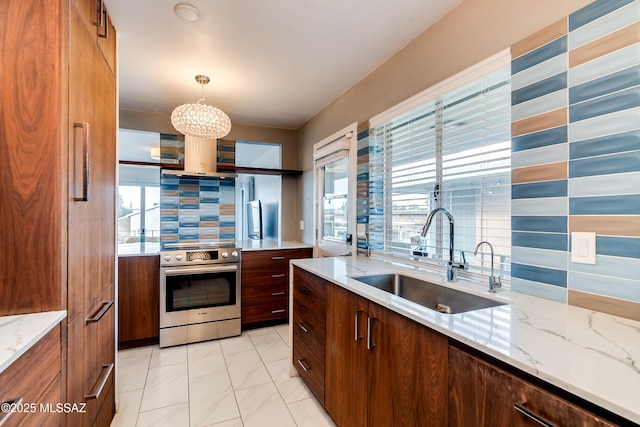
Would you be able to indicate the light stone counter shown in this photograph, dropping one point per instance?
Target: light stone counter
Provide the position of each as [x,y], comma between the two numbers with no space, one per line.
[19,333]
[263,245]
[593,355]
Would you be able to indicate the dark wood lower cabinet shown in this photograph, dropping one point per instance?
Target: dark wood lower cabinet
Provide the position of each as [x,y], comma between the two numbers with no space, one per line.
[138,300]
[481,394]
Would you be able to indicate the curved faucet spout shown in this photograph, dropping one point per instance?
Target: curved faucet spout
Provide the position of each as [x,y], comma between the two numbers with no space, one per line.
[452,268]
[494,282]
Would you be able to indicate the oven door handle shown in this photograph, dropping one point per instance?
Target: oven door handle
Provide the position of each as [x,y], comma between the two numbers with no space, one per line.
[196,270]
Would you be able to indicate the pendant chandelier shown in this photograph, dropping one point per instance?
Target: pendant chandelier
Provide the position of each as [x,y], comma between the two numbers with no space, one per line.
[199,119]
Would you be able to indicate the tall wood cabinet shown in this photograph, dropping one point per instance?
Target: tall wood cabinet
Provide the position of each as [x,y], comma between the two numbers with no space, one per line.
[57,183]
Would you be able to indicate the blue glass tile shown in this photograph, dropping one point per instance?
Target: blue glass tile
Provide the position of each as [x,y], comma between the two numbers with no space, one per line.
[168,217]
[168,230]
[539,189]
[189,193]
[538,89]
[607,205]
[227,148]
[209,200]
[227,224]
[189,236]
[363,177]
[624,100]
[188,181]
[549,224]
[363,220]
[628,247]
[623,79]
[539,274]
[604,165]
[363,134]
[539,55]
[189,224]
[540,139]
[363,151]
[227,235]
[212,187]
[552,241]
[609,144]
[169,186]
[594,11]
[168,205]
[209,218]
[189,206]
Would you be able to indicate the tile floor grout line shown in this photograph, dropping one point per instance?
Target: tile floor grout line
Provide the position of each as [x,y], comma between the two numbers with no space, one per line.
[235,397]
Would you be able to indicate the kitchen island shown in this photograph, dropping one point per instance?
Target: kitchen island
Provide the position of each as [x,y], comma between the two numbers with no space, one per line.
[591,355]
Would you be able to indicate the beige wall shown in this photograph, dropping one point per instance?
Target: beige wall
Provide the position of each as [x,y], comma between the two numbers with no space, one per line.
[290,207]
[470,33]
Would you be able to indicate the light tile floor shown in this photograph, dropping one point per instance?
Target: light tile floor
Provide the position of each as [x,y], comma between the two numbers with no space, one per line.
[233,382]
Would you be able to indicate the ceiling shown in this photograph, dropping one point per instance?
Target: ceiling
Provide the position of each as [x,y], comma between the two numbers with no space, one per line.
[272,63]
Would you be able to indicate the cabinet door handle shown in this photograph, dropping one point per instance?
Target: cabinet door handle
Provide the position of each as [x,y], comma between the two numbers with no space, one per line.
[4,415]
[275,258]
[275,294]
[106,371]
[105,19]
[303,365]
[357,322]
[280,310]
[85,161]
[106,305]
[522,408]
[99,23]
[303,328]
[276,276]
[370,344]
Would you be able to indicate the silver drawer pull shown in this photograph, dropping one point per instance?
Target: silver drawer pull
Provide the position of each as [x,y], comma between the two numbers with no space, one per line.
[12,403]
[522,408]
[358,313]
[276,258]
[277,276]
[275,294]
[103,381]
[370,344]
[303,328]
[281,310]
[303,365]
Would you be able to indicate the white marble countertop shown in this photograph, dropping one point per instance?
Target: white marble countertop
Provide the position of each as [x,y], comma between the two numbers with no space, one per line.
[263,245]
[20,332]
[593,355]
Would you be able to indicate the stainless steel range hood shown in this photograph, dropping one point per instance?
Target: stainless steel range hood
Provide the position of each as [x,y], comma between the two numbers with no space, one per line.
[200,159]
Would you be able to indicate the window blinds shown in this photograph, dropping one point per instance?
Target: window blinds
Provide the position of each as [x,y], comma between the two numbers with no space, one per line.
[453,151]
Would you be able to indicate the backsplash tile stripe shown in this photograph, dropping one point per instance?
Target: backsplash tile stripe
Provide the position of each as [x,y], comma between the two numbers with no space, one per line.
[612,225]
[605,205]
[628,247]
[624,100]
[539,189]
[535,106]
[549,224]
[604,165]
[541,54]
[543,138]
[605,65]
[609,144]
[619,288]
[541,257]
[622,121]
[538,289]
[611,266]
[553,153]
[604,185]
[542,37]
[539,72]
[539,274]
[610,83]
[545,172]
[540,122]
[542,206]
[551,241]
[541,88]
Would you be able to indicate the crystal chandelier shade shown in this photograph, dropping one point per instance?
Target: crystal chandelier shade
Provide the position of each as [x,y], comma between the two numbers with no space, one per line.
[201,120]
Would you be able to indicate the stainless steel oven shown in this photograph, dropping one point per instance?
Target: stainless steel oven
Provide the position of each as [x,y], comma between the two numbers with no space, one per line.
[199,294]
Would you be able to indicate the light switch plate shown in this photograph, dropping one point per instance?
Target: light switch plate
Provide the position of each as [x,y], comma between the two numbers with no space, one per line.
[301,225]
[583,248]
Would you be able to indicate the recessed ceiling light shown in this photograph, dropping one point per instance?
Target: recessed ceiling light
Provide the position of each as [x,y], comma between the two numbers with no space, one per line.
[186,11]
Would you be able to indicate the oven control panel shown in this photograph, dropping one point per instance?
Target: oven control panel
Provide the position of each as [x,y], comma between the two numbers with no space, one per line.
[199,256]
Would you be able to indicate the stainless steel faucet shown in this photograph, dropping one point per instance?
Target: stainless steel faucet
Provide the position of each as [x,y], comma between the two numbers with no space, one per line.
[494,282]
[452,267]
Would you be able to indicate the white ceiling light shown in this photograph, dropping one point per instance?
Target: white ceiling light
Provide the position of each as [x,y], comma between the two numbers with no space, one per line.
[186,11]
[201,120]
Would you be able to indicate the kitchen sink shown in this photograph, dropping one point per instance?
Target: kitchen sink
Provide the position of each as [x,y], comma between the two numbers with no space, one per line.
[427,294]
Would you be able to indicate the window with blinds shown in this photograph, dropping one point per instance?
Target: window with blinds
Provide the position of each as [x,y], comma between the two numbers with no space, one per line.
[452,151]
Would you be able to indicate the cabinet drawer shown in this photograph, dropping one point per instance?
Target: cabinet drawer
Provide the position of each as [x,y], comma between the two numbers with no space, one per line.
[273,258]
[49,417]
[309,328]
[27,379]
[310,368]
[274,310]
[265,276]
[102,395]
[309,290]
[264,294]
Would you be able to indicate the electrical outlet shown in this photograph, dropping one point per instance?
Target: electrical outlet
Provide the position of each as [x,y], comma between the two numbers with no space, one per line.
[583,248]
